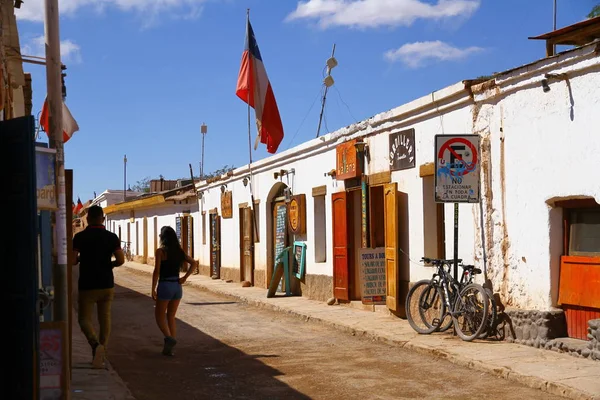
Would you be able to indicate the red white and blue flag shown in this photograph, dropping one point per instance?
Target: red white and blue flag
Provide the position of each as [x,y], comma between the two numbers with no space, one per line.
[78,207]
[254,88]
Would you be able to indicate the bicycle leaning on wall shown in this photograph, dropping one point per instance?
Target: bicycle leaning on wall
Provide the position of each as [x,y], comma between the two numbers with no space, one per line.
[468,305]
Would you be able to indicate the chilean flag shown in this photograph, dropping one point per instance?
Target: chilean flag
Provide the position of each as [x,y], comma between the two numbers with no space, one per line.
[254,88]
[69,124]
[79,206]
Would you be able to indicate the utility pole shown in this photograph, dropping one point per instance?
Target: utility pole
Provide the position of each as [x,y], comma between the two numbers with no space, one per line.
[203,131]
[125,177]
[55,107]
[55,104]
[328,81]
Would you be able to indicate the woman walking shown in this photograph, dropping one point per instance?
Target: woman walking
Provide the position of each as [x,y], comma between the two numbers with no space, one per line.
[169,258]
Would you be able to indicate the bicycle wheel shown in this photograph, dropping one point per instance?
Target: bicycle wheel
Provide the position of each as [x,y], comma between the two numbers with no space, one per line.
[417,305]
[471,312]
[431,306]
[490,329]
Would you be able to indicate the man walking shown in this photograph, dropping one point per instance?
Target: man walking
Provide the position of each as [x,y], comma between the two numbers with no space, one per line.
[95,247]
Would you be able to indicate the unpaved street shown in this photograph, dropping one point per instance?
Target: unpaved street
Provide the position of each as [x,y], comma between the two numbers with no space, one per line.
[229,350]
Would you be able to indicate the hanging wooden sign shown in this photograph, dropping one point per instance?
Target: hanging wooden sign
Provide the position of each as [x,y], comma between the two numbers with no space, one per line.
[226,205]
[402,150]
[297,214]
[347,162]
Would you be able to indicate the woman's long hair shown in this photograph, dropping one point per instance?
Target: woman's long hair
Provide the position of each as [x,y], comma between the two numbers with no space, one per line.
[170,243]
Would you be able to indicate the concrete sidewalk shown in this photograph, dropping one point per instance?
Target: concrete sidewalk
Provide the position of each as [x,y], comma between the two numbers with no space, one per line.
[93,384]
[552,372]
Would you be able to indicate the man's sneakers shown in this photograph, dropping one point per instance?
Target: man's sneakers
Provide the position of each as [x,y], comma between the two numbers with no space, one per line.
[98,354]
[170,343]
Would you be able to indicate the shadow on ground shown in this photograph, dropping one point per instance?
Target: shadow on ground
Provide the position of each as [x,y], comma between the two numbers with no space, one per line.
[203,367]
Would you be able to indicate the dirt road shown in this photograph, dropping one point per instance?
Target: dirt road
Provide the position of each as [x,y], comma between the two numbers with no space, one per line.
[228,350]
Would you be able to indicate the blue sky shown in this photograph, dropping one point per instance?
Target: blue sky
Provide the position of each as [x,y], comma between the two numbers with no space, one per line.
[143,75]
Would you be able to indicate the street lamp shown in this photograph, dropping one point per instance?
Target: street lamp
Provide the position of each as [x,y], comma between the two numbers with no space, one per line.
[124,177]
[203,131]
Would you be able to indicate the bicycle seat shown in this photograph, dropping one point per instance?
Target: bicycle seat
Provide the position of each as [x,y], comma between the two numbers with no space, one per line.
[472,269]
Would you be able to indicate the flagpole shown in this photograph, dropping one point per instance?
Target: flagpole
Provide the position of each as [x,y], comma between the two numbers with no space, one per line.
[254,224]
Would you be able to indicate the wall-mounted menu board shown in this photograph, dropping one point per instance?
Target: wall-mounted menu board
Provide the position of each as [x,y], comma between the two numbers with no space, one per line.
[280,233]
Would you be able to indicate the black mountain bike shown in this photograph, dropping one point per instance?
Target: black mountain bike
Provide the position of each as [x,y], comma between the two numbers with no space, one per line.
[437,304]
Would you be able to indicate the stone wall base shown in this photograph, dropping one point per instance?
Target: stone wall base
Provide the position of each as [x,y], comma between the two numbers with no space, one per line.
[204,270]
[548,330]
[594,336]
[259,278]
[317,287]
[230,274]
[532,327]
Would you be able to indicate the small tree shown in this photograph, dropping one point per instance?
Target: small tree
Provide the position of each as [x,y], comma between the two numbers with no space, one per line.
[143,185]
[218,172]
[595,11]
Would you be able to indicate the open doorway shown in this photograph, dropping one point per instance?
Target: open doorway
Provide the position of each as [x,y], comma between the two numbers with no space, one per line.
[278,234]
[387,229]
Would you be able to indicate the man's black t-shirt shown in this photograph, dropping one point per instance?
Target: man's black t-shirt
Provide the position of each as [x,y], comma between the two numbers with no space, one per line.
[96,246]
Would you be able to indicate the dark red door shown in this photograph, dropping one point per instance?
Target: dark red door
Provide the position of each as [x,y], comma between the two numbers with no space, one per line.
[341,246]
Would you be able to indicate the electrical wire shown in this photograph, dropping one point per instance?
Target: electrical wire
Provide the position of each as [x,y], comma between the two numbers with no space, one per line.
[347,106]
[305,116]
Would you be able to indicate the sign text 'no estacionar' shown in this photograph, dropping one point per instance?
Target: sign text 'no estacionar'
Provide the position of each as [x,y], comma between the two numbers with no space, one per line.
[457,160]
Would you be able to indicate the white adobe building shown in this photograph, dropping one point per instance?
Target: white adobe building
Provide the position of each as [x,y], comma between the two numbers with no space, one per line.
[537,225]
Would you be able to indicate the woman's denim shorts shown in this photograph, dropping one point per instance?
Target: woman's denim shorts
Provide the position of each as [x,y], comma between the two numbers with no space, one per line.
[169,290]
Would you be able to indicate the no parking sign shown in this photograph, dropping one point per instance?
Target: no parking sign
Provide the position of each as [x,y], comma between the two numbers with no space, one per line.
[457,160]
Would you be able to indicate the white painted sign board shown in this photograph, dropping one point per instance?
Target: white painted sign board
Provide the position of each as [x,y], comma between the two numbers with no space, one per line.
[457,168]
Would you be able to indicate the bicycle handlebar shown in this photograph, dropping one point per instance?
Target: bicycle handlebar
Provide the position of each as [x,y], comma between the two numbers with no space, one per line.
[438,261]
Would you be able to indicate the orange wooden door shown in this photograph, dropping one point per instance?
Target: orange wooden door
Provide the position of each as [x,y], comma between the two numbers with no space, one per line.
[391,245]
[341,246]
[579,293]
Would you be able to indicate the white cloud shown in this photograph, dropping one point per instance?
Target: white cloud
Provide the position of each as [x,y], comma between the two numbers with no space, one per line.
[70,52]
[33,10]
[374,13]
[417,54]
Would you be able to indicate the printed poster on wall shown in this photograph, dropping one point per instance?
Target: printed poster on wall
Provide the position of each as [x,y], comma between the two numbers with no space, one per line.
[372,273]
[45,178]
[52,368]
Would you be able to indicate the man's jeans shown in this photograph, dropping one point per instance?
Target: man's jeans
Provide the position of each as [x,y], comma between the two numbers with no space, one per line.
[102,298]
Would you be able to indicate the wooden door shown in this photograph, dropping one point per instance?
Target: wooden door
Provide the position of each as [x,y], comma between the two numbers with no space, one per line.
[145,246]
[341,245]
[128,235]
[215,246]
[391,245]
[156,243]
[190,236]
[247,246]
